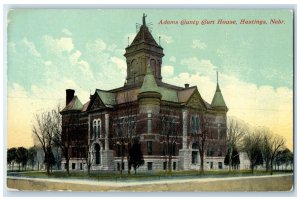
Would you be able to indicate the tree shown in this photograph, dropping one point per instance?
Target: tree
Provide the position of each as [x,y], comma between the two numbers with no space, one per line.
[125,127]
[277,143]
[251,145]
[200,134]
[136,155]
[32,152]
[21,157]
[169,127]
[44,130]
[236,130]
[235,159]
[284,157]
[11,157]
[49,159]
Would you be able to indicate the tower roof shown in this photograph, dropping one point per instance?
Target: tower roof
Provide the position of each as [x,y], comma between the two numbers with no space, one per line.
[144,35]
[149,84]
[218,100]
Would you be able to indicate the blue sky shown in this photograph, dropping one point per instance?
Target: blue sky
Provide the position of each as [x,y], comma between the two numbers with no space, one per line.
[51,50]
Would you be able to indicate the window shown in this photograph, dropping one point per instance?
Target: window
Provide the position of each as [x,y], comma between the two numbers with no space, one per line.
[97,154]
[96,128]
[211,165]
[219,151]
[219,132]
[210,151]
[220,165]
[164,149]
[149,147]
[118,166]
[195,151]
[165,165]
[149,124]
[174,148]
[99,129]
[149,165]
[73,166]
[80,166]
[195,124]
[174,165]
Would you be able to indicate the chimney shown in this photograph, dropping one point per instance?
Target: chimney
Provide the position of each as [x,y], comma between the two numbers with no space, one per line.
[186,86]
[69,95]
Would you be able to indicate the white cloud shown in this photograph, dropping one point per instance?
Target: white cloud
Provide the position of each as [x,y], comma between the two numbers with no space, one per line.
[198,44]
[31,47]
[48,63]
[167,71]
[83,66]
[165,38]
[75,57]
[96,46]
[64,44]
[172,59]
[67,32]
[120,63]
[256,105]
[203,66]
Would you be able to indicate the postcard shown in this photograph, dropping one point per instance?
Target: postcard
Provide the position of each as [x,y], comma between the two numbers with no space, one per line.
[150,100]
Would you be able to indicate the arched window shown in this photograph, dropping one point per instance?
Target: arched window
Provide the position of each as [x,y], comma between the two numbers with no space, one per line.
[94,129]
[197,123]
[99,129]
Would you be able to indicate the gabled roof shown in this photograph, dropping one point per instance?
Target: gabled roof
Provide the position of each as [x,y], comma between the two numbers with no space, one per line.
[218,100]
[73,105]
[185,94]
[107,98]
[85,106]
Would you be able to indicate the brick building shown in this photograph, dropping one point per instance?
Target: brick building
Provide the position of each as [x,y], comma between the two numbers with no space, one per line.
[167,119]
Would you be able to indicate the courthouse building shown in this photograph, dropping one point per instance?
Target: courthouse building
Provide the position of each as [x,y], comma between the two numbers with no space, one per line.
[167,119]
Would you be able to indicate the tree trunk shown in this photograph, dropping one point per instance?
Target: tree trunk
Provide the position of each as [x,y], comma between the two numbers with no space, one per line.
[170,163]
[271,167]
[230,159]
[202,161]
[67,166]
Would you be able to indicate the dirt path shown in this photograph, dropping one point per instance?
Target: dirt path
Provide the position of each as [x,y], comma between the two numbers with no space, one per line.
[241,184]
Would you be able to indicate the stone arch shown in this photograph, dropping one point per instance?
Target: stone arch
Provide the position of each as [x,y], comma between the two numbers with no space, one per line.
[96,149]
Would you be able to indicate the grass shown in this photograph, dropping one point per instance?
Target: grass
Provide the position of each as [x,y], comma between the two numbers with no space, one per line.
[116,176]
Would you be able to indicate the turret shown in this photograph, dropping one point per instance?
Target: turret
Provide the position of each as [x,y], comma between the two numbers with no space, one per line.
[218,102]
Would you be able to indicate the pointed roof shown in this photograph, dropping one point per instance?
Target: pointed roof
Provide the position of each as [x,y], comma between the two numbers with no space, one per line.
[218,100]
[144,35]
[74,104]
[149,83]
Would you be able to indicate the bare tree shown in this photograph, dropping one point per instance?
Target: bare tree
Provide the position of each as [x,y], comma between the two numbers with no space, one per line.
[236,130]
[201,136]
[277,144]
[65,136]
[44,131]
[271,145]
[124,129]
[169,127]
[252,146]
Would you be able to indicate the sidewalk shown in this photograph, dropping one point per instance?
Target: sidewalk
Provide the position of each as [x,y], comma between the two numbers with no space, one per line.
[186,184]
